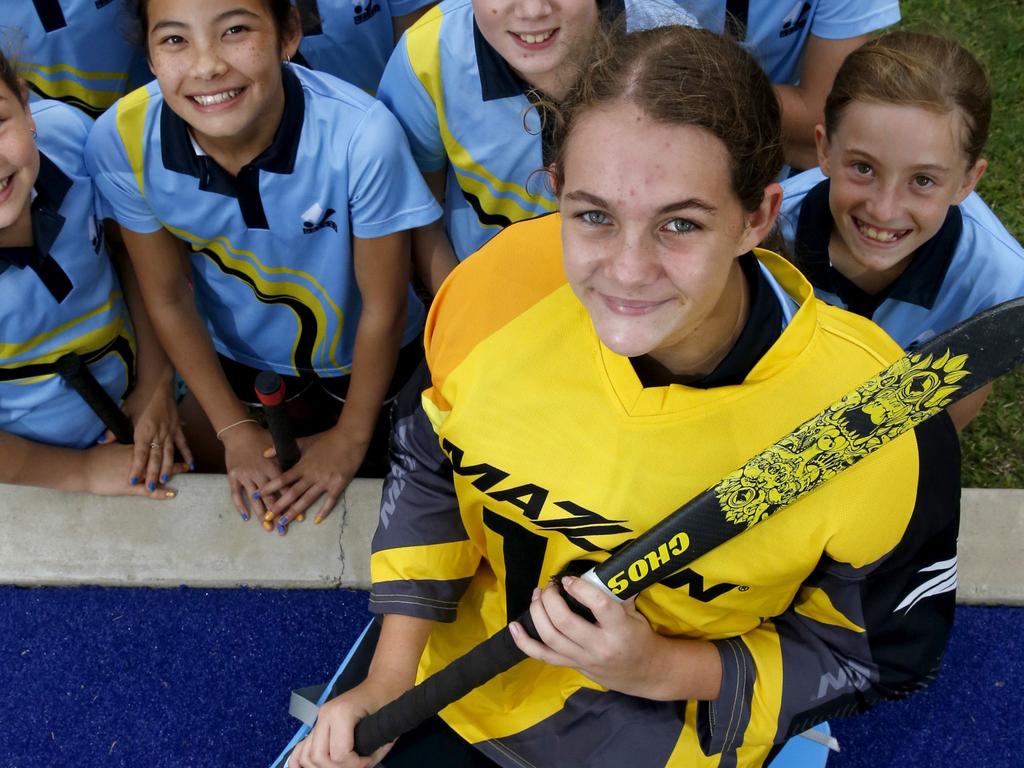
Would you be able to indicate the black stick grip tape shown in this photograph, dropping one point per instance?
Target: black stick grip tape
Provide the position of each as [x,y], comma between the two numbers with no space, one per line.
[270,391]
[493,656]
[76,373]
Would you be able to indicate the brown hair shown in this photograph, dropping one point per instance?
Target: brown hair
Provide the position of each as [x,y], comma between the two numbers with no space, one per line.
[9,75]
[282,11]
[678,74]
[921,70]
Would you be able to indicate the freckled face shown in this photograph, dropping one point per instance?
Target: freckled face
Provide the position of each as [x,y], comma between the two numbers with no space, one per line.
[651,230]
[19,167]
[536,36]
[894,170]
[218,63]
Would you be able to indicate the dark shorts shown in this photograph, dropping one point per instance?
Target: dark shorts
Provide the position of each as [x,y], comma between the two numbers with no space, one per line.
[314,403]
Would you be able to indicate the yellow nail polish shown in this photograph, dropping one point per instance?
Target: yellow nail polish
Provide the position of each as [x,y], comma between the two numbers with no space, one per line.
[300,517]
[170,494]
[317,519]
[267,525]
[268,516]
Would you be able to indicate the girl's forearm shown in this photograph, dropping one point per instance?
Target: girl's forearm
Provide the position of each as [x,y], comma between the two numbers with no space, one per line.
[188,344]
[26,462]
[164,283]
[686,670]
[152,367]
[395,661]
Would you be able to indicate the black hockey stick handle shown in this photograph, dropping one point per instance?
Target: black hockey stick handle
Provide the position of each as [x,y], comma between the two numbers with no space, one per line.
[76,373]
[493,656]
[914,388]
[270,391]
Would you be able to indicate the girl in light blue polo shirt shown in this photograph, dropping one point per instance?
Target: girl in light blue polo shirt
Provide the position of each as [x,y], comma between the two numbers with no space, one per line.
[465,82]
[59,294]
[77,51]
[353,40]
[266,208]
[890,226]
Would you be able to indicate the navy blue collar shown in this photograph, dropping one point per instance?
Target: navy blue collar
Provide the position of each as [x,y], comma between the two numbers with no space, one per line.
[919,283]
[498,80]
[180,155]
[760,332]
[52,186]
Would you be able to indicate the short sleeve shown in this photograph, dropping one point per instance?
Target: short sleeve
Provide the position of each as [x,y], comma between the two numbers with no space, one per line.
[408,100]
[422,559]
[387,194]
[116,182]
[838,19]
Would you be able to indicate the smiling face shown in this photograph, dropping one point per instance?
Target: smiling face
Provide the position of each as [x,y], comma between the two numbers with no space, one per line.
[19,167]
[894,170]
[218,63]
[536,37]
[651,230]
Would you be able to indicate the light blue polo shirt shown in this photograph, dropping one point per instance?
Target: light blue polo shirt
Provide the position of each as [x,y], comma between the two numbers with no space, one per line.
[59,296]
[271,249]
[351,40]
[462,104]
[777,30]
[77,51]
[972,263]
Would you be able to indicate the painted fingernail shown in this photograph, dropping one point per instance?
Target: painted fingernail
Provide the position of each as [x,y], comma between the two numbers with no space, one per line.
[300,517]
[191,466]
[267,525]
[282,528]
[164,477]
[257,495]
[169,494]
[268,516]
[317,519]
[134,480]
[151,485]
[245,515]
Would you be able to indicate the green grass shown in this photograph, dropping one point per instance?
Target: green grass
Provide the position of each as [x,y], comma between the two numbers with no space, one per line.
[993,444]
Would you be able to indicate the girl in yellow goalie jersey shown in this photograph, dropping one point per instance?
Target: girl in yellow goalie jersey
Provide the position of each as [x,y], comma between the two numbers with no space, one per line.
[592,370]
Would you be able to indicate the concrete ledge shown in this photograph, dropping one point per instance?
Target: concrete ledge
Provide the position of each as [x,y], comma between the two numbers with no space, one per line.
[53,538]
[198,539]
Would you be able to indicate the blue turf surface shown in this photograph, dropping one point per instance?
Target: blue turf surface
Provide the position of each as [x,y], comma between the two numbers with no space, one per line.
[186,677]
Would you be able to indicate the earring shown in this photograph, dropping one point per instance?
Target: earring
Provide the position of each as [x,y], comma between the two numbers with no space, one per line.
[35,135]
[287,59]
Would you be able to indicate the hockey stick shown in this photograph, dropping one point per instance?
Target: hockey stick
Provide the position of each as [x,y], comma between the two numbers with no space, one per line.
[913,389]
[270,391]
[76,373]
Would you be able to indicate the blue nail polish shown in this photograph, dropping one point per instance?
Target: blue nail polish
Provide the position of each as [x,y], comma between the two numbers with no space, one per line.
[245,515]
[164,477]
[151,486]
[257,495]
[191,466]
[133,480]
[282,528]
